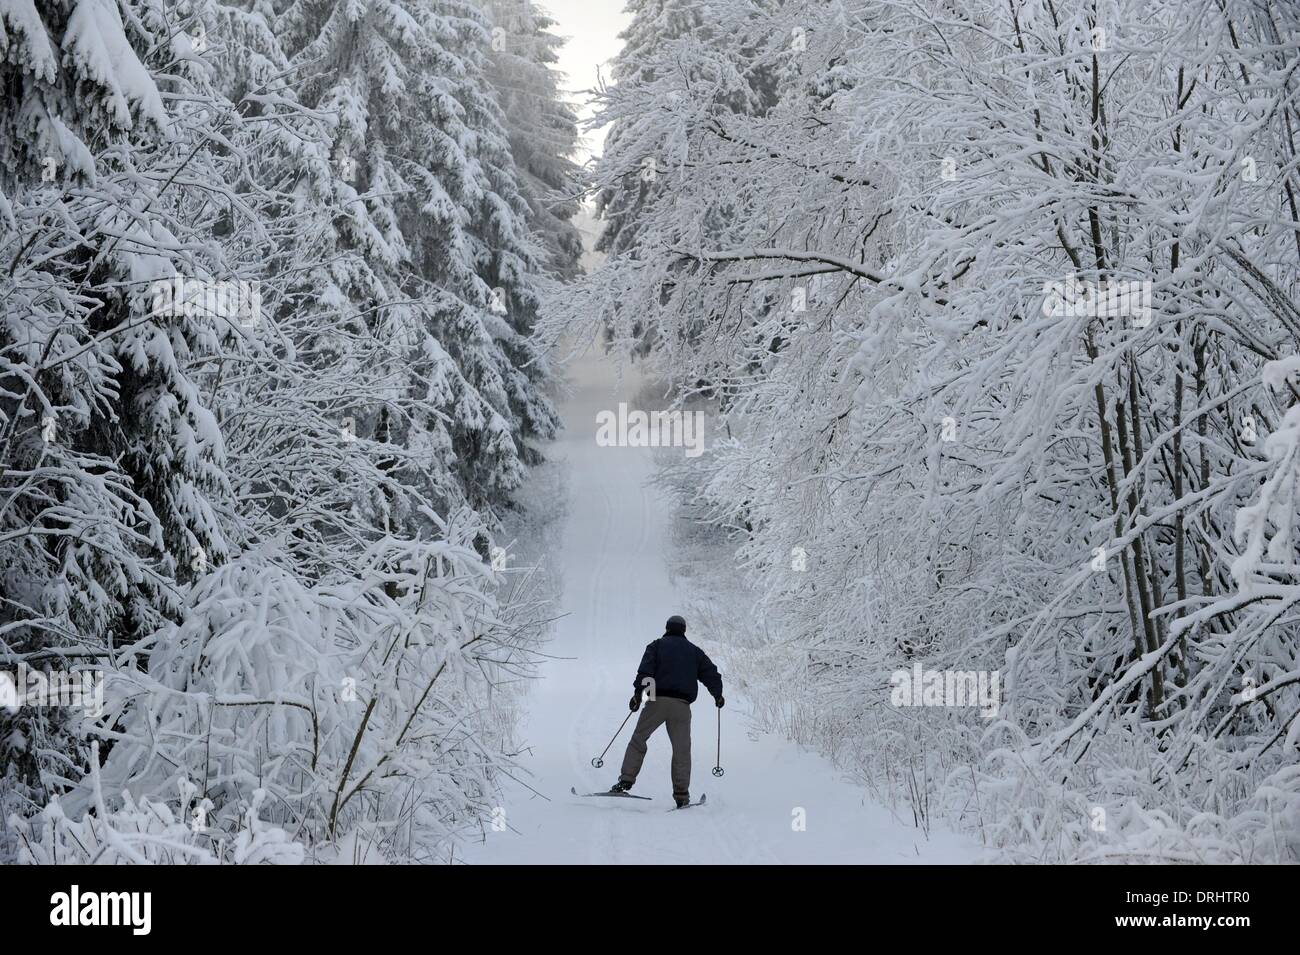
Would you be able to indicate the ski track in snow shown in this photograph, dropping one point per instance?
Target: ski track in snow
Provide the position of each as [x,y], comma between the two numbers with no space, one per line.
[614,554]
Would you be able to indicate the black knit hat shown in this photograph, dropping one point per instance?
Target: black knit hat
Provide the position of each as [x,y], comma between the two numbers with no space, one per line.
[676,625]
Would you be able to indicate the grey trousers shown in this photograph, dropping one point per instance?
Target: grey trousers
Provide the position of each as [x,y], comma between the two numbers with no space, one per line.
[677,714]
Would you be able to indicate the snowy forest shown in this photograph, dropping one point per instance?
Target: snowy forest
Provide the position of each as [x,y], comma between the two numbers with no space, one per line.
[269,517]
[991,307]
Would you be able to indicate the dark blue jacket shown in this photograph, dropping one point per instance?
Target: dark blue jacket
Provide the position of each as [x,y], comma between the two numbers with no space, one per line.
[677,666]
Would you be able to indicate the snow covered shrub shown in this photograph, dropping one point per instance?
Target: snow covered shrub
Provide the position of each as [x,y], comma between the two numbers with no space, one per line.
[146,831]
[362,700]
[1117,805]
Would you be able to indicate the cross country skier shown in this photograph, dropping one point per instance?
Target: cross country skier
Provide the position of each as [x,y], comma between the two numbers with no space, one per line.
[671,667]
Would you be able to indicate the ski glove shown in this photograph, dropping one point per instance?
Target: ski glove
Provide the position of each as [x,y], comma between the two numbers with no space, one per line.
[634,704]
[719,701]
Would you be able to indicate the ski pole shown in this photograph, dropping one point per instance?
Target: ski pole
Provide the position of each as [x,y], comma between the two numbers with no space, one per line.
[717,768]
[599,761]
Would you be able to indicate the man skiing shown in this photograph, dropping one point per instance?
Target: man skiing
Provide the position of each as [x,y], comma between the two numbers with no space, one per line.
[671,667]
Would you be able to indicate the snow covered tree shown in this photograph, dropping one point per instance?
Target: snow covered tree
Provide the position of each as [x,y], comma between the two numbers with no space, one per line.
[112,458]
[676,81]
[542,126]
[419,128]
[664,40]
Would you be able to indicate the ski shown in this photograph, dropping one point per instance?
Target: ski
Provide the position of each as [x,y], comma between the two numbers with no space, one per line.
[689,805]
[613,795]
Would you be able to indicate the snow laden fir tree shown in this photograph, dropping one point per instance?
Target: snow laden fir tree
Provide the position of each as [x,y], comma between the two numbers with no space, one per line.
[836,224]
[271,529]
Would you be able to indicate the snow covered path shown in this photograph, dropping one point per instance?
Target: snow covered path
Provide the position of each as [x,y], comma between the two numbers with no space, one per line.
[617,597]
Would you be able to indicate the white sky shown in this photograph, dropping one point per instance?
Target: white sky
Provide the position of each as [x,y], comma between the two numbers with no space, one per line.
[591,29]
